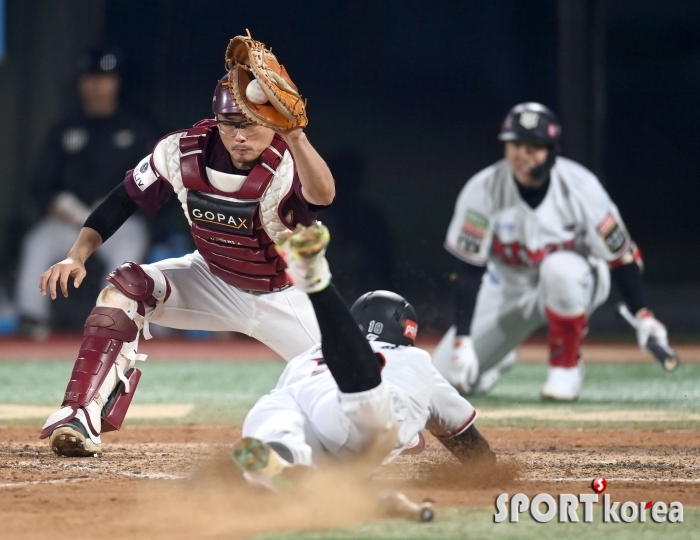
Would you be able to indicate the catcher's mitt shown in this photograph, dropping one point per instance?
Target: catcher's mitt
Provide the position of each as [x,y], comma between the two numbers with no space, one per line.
[261,87]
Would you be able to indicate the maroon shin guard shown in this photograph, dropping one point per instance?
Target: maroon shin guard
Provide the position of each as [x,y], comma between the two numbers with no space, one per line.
[118,403]
[106,329]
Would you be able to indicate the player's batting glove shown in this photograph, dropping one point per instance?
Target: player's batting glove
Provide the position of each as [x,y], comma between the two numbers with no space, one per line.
[464,365]
[649,327]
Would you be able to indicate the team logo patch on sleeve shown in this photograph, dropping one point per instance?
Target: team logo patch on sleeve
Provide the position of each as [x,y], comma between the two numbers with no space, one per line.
[613,235]
[473,231]
[143,174]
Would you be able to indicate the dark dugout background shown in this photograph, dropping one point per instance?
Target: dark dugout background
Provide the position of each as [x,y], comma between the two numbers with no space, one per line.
[414,91]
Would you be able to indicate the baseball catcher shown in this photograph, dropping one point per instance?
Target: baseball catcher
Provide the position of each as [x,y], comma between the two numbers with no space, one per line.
[242,178]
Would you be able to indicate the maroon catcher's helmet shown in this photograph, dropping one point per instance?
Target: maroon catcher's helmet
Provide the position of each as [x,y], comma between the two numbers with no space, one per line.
[223,102]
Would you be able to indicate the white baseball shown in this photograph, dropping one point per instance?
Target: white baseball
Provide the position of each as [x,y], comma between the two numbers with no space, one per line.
[255,93]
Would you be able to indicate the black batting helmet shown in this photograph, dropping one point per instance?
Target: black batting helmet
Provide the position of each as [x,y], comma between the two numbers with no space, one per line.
[531,122]
[386,316]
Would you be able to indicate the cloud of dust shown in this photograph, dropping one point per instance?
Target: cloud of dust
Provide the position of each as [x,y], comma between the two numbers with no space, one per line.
[478,473]
[216,502]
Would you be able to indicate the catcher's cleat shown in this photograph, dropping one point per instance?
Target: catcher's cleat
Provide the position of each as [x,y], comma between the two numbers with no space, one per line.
[303,250]
[261,465]
[563,384]
[71,440]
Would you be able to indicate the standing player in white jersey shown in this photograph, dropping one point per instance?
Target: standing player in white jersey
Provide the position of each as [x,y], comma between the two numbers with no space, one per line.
[360,385]
[538,240]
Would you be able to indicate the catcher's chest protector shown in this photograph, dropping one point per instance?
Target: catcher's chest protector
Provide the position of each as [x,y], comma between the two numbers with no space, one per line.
[226,227]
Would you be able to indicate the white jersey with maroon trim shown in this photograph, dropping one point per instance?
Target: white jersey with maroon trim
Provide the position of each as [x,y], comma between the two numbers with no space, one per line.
[420,396]
[493,225]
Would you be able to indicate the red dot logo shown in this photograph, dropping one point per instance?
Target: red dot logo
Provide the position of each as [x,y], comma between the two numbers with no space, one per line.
[599,485]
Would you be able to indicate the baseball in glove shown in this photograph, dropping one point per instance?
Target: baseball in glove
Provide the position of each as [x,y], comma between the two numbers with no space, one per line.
[261,87]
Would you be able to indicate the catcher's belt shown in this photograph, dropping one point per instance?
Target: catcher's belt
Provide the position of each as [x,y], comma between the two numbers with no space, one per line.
[272,100]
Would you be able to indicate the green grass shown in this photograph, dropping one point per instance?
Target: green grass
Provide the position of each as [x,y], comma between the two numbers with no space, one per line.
[606,387]
[477,524]
[223,393]
[629,385]
[41,383]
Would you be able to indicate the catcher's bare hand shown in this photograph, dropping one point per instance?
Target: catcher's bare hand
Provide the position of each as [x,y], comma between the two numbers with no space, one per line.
[59,273]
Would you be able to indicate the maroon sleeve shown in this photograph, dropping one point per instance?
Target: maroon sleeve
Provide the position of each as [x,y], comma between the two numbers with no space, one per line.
[152,198]
[302,211]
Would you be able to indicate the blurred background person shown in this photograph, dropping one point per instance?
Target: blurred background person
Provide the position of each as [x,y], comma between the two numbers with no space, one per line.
[84,157]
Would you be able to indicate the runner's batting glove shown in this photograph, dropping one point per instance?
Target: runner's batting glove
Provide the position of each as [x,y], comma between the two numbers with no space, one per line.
[649,327]
[464,368]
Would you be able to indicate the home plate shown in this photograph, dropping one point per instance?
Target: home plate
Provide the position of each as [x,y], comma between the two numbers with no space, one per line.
[136,411]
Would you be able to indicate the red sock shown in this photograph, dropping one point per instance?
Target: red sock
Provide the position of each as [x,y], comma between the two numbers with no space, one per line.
[565,337]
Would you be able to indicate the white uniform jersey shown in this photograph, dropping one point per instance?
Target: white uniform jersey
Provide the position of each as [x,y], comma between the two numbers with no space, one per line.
[493,225]
[419,397]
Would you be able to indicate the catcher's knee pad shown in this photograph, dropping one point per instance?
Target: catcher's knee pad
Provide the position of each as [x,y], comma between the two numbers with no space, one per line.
[146,285]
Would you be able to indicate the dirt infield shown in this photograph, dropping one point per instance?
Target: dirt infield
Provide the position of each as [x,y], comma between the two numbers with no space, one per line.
[177,482]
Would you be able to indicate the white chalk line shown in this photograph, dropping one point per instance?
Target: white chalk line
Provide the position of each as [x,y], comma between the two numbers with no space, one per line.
[577,415]
[143,411]
[37,482]
[153,475]
[148,475]
[610,479]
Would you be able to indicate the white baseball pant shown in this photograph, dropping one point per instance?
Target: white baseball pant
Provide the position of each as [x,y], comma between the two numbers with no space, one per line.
[507,313]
